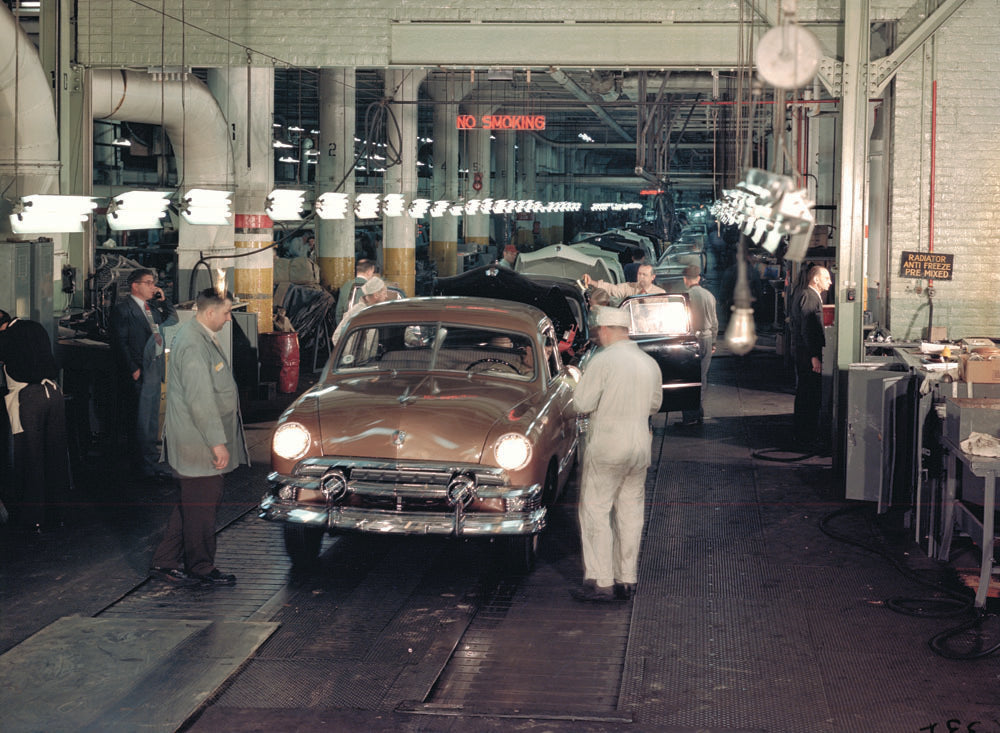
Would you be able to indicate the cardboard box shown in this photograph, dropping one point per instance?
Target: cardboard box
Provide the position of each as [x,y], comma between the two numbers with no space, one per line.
[935,333]
[979,370]
[965,415]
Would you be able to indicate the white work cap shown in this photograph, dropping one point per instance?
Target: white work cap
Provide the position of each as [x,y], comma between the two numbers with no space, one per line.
[373,286]
[607,316]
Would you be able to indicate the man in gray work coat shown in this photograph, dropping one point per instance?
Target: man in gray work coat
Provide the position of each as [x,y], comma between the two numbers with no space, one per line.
[705,321]
[203,439]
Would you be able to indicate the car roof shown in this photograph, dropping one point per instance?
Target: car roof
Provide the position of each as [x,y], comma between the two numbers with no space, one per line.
[479,312]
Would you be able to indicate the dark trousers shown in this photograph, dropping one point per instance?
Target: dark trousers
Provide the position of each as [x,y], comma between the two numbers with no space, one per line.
[142,407]
[41,461]
[808,400]
[189,541]
[706,361]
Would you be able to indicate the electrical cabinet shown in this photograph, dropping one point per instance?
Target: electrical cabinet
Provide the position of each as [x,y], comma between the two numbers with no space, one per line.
[881,441]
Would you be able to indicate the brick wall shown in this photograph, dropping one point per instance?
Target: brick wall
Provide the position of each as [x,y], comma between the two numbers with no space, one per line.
[963,58]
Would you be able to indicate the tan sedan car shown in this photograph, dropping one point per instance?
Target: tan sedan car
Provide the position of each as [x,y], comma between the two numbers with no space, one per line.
[444,415]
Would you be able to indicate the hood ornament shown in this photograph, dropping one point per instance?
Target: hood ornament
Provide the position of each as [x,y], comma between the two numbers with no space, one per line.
[398,438]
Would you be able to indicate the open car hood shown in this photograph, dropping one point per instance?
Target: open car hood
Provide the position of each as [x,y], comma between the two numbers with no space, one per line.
[493,281]
[563,260]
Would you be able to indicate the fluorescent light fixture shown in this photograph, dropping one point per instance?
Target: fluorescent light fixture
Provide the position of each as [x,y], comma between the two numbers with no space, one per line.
[122,142]
[287,159]
[40,214]
[296,128]
[207,207]
[393,204]
[285,205]
[585,137]
[332,206]
[281,144]
[419,208]
[138,210]
[366,205]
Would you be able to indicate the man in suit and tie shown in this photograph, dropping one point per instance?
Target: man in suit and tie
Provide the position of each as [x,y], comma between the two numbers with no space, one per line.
[137,339]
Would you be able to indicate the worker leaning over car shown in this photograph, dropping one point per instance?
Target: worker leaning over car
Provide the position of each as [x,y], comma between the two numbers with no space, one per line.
[643,284]
[373,291]
[612,486]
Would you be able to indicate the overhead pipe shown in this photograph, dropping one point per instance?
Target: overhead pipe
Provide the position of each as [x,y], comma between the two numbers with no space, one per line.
[29,137]
[560,78]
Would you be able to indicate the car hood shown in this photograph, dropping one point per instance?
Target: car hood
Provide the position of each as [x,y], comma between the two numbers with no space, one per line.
[433,417]
[562,260]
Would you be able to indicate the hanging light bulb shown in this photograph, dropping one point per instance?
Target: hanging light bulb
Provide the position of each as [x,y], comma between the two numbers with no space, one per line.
[741,335]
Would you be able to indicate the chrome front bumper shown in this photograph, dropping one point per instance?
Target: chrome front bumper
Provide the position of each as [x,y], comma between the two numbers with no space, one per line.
[458,523]
[405,483]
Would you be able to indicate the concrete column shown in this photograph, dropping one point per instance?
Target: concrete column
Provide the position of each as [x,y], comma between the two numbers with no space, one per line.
[399,241]
[335,237]
[477,142]
[524,234]
[246,96]
[444,181]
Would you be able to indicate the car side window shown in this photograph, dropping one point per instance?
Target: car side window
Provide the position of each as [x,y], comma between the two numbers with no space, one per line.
[662,316]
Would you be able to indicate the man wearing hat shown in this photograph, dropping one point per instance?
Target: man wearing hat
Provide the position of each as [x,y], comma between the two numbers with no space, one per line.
[705,322]
[612,486]
[509,257]
[373,291]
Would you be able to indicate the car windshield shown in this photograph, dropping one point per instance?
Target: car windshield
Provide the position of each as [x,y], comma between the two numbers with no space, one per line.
[438,347]
[663,316]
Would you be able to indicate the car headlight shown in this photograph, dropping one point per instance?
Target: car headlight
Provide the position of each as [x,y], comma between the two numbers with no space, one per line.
[291,440]
[512,451]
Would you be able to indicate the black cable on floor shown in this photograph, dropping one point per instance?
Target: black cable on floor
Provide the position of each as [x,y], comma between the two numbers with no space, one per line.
[768,455]
[953,604]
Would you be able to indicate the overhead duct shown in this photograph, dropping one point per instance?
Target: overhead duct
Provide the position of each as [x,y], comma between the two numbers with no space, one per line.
[199,136]
[29,141]
[189,114]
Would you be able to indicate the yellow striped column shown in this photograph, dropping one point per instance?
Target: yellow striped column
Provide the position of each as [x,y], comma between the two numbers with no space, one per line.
[253,274]
[335,237]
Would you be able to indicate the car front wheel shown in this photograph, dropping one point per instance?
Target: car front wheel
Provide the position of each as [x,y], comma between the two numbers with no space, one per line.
[302,544]
[519,553]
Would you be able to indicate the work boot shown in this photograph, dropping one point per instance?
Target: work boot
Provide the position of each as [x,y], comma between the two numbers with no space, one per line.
[590,592]
[624,591]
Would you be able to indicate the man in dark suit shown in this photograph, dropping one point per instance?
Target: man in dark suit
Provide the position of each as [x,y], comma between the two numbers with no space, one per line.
[137,339]
[809,342]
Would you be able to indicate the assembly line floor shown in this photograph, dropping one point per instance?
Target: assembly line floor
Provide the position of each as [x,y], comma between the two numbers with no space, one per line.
[747,617]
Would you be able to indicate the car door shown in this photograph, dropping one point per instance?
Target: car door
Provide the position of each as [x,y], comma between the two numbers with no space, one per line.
[661,325]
